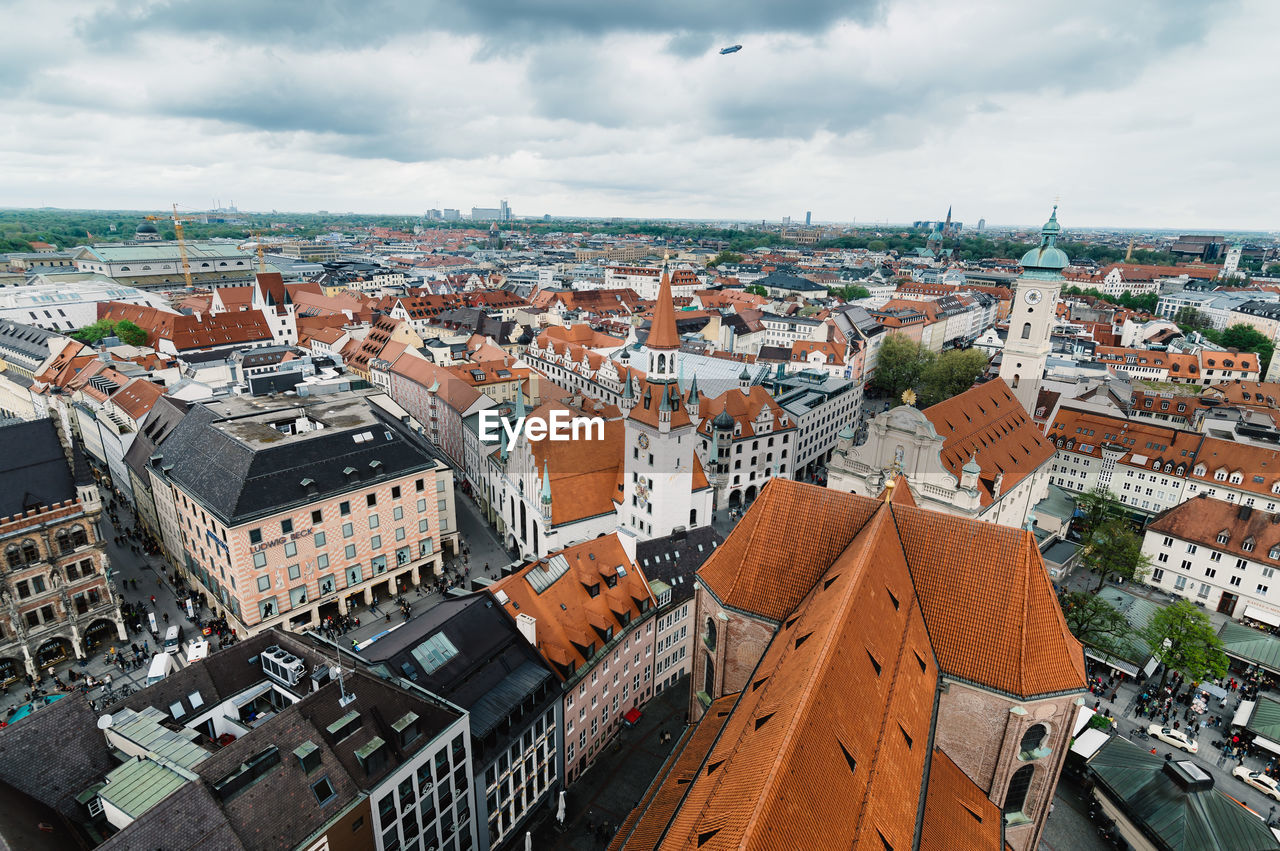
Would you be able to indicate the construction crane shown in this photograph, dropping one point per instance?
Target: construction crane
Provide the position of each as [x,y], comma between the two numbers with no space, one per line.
[256,236]
[177,230]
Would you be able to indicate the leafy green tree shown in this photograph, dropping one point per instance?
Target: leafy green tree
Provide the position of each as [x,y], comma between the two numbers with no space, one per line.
[756,289]
[877,246]
[130,334]
[724,257]
[1182,638]
[901,364]
[1096,506]
[849,293]
[1094,621]
[1114,549]
[950,374]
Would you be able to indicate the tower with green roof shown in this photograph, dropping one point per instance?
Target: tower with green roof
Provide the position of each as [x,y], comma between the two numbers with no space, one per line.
[1031,315]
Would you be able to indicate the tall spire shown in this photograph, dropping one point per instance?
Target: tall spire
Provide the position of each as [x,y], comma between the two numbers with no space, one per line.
[662,331]
[546,483]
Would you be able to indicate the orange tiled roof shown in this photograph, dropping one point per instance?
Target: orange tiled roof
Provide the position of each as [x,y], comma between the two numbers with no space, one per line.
[137,397]
[800,765]
[988,422]
[957,813]
[662,332]
[1203,520]
[569,619]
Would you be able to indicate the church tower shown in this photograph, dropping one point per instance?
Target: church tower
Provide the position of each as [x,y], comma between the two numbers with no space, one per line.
[658,493]
[1031,317]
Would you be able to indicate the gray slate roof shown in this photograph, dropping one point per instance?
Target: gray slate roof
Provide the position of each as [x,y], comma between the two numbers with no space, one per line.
[33,470]
[238,479]
[56,753]
[675,558]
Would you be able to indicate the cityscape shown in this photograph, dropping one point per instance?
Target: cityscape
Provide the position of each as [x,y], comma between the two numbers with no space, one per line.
[552,426]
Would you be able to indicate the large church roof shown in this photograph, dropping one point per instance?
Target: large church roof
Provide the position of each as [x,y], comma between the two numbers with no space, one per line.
[1047,257]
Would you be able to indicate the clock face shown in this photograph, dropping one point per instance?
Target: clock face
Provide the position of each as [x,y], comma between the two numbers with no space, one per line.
[1033,296]
[643,441]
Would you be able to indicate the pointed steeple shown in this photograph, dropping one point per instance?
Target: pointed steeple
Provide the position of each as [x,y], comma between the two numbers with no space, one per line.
[662,331]
[520,409]
[546,483]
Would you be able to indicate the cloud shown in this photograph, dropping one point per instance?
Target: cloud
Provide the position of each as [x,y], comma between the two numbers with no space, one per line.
[868,110]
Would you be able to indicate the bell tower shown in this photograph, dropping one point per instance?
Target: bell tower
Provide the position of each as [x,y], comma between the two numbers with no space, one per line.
[1035,302]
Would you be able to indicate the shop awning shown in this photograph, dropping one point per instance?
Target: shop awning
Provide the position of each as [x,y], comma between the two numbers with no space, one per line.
[1262,615]
[1088,742]
[1211,689]
[1267,743]
[1083,716]
[1244,713]
[1112,662]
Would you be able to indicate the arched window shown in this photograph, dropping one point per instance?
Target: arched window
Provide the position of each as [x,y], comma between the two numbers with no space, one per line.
[709,676]
[693,518]
[64,542]
[13,556]
[1015,381]
[662,363]
[78,537]
[29,552]
[1016,797]
[1031,741]
[709,637]
[1026,330]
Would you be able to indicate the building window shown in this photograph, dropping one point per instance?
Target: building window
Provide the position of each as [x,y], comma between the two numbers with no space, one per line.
[1016,796]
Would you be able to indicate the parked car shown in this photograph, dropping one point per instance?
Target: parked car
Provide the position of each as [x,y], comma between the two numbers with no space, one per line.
[1263,783]
[1170,736]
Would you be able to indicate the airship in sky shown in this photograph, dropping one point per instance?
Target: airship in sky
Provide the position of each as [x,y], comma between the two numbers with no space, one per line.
[727,50]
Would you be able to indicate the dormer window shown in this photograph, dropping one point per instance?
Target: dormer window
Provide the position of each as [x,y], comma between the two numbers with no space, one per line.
[1220,475]
[1200,471]
[1236,478]
[1248,545]
[1223,537]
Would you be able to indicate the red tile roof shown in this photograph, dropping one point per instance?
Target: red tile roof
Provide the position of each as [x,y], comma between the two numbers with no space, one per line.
[989,423]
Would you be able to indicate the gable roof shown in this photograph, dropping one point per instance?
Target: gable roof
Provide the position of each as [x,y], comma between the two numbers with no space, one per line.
[987,421]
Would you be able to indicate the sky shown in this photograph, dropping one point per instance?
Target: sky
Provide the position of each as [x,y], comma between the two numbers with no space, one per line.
[1142,113]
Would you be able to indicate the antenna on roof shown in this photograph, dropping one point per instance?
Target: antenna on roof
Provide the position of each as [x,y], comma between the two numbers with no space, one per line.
[346,699]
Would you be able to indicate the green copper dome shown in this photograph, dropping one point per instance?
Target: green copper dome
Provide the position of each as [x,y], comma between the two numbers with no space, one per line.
[847,433]
[1047,257]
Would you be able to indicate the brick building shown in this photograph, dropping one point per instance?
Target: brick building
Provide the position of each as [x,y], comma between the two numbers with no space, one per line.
[290,510]
[57,603]
[907,681]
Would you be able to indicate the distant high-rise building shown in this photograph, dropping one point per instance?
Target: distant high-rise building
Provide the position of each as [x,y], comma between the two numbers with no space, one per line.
[501,213]
[808,218]
[433,214]
[786,220]
[505,211]
[982,224]
[1233,259]
[451,215]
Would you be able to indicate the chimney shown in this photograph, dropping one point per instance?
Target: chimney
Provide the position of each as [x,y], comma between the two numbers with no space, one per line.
[528,626]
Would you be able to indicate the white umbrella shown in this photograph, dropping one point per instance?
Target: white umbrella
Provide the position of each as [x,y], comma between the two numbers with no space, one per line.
[528,840]
[560,811]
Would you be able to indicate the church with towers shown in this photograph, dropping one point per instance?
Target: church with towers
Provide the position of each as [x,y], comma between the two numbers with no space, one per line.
[978,454]
[641,477]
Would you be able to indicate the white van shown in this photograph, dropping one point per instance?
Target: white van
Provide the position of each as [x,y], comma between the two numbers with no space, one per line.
[173,639]
[161,667]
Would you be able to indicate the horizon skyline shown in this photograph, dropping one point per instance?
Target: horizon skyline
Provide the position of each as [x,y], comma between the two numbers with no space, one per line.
[1144,115]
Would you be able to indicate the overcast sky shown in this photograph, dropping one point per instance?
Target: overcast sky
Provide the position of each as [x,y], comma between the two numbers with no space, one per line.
[1136,113]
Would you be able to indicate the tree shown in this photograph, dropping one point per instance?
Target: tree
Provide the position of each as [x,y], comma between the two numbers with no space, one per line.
[1096,506]
[1095,621]
[756,289]
[849,293]
[724,257]
[1114,549]
[130,334]
[901,364]
[1182,638]
[952,373]
[877,246]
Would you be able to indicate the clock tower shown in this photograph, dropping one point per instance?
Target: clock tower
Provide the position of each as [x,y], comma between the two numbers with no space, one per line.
[658,487]
[1031,316]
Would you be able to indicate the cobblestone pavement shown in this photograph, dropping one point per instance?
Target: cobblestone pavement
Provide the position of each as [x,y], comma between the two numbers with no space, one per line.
[1068,827]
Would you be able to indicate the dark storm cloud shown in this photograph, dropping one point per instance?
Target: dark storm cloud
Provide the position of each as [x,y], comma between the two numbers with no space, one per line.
[330,23]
